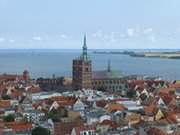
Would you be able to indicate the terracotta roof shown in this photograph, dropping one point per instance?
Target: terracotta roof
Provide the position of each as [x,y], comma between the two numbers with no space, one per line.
[110,123]
[63,128]
[10,77]
[133,117]
[120,99]
[115,107]
[151,101]
[62,98]
[165,91]
[155,131]
[84,128]
[101,103]
[175,85]
[18,126]
[167,99]
[151,109]
[5,103]
[136,82]
[141,84]
[62,101]
[37,104]
[2,87]
[66,103]
[175,133]
[16,93]
[35,89]
[172,117]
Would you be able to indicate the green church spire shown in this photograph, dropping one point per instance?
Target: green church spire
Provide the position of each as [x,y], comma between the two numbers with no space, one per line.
[84,53]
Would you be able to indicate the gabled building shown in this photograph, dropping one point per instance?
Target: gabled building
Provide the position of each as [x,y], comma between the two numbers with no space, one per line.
[84,130]
[79,106]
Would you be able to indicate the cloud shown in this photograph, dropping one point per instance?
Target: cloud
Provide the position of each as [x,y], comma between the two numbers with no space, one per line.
[109,37]
[113,37]
[152,38]
[11,40]
[148,30]
[178,30]
[63,36]
[37,38]
[122,36]
[98,34]
[130,32]
[2,39]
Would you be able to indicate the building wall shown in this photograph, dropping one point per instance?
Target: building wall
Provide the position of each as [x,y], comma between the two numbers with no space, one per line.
[82,74]
[116,84]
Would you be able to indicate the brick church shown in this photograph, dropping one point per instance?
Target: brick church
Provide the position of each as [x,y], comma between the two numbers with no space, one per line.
[84,77]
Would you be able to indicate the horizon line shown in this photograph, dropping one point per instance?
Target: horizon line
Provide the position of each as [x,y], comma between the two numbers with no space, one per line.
[90,49]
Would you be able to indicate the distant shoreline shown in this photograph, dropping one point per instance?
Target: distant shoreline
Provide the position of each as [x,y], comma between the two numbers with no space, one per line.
[167,55]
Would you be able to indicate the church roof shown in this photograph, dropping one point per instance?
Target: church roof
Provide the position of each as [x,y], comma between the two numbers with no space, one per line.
[113,74]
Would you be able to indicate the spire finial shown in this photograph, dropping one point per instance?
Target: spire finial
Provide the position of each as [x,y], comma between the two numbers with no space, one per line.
[84,45]
[109,66]
[84,55]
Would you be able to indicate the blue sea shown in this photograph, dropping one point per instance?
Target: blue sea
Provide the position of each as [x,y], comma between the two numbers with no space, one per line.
[45,63]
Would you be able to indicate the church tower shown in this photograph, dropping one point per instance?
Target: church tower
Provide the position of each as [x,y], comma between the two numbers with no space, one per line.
[82,71]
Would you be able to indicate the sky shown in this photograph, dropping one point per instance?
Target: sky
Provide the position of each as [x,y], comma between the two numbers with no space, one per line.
[108,24]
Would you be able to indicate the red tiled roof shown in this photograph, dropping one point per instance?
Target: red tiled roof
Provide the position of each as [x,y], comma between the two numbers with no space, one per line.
[18,126]
[167,99]
[101,103]
[155,131]
[5,103]
[84,128]
[172,117]
[120,99]
[62,101]
[63,128]
[110,123]
[175,85]
[62,98]
[9,77]
[115,107]
[35,89]
[164,91]
[66,103]
[16,93]
[2,87]
[136,82]
[151,109]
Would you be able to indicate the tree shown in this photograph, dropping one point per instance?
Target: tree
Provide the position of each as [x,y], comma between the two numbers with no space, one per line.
[131,93]
[40,131]
[57,114]
[5,97]
[9,118]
